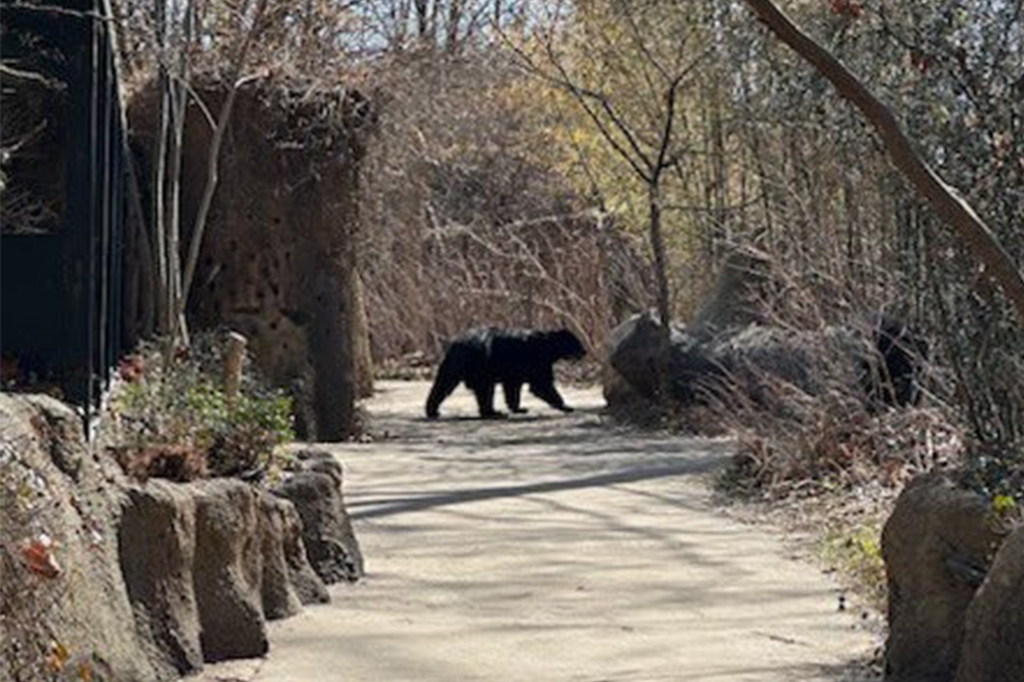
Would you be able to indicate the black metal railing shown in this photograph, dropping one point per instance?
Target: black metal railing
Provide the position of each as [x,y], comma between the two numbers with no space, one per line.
[61,288]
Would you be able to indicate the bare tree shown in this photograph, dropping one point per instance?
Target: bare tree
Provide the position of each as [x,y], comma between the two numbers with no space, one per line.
[177,37]
[946,201]
[26,125]
[638,123]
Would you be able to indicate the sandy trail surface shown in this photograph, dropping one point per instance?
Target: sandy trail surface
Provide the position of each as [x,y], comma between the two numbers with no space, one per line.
[553,548]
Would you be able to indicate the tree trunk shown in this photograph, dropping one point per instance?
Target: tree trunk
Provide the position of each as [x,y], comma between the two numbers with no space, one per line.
[159,202]
[172,222]
[661,280]
[213,161]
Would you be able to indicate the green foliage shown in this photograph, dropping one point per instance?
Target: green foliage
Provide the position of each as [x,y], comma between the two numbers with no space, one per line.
[856,553]
[252,427]
[1003,505]
[176,399]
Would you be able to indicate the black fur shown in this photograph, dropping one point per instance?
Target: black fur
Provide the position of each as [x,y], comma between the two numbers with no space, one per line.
[902,354]
[484,358]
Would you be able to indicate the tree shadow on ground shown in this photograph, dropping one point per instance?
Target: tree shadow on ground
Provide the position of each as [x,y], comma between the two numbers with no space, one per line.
[420,503]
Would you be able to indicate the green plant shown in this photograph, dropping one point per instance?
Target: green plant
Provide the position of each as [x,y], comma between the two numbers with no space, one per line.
[252,427]
[856,554]
[1003,504]
[172,406]
[1008,510]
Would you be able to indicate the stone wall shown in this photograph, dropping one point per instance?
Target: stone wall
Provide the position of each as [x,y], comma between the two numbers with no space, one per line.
[55,492]
[278,259]
[147,582]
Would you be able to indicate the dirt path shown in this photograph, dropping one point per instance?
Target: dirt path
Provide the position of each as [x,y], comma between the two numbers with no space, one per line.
[553,548]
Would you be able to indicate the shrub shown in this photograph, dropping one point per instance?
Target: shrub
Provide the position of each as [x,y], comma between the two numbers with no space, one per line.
[175,421]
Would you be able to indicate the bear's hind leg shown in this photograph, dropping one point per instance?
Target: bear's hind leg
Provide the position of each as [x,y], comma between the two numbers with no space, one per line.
[513,391]
[448,377]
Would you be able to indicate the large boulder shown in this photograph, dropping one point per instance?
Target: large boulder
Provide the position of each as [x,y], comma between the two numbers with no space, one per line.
[308,586]
[157,542]
[288,579]
[936,546]
[205,563]
[993,643]
[64,599]
[634,351]
[731,351]
[228,570]
[314,487]
[751,361]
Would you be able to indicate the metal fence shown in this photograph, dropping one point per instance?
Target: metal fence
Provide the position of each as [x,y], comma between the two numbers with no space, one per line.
[61,289]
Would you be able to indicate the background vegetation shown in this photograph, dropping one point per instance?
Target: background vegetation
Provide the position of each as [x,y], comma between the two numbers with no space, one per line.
[533,159]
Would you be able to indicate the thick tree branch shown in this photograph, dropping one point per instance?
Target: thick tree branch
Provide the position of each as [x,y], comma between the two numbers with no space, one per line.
[666,135]
[946,202]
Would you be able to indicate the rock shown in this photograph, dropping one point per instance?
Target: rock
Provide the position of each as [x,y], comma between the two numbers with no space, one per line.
[228,569]
[53,488]
[936,546]
[748,354]
[631,356]
[161,576]
[752,360]
[157,540]
[738,296]
[205,563]
[288,580]
[315,490]
[277,596]
[633,353]
[993,643]
[308,586]
[731,354]
[616,390]
[311,459]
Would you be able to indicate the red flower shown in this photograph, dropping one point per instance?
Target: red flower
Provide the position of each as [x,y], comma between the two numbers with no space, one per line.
[130,368]
[847,8]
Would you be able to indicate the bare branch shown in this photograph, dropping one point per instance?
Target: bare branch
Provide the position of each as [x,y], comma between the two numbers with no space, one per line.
[948,204]
[32,76]
[213,163]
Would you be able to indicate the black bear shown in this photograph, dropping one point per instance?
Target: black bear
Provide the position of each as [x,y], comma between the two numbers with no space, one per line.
[902,354]
[483,358]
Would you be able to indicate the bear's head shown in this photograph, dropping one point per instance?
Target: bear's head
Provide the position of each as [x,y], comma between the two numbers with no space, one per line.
[565,345]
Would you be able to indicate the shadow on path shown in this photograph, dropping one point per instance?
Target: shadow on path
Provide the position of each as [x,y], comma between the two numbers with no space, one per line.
[399,505]
[558,548]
